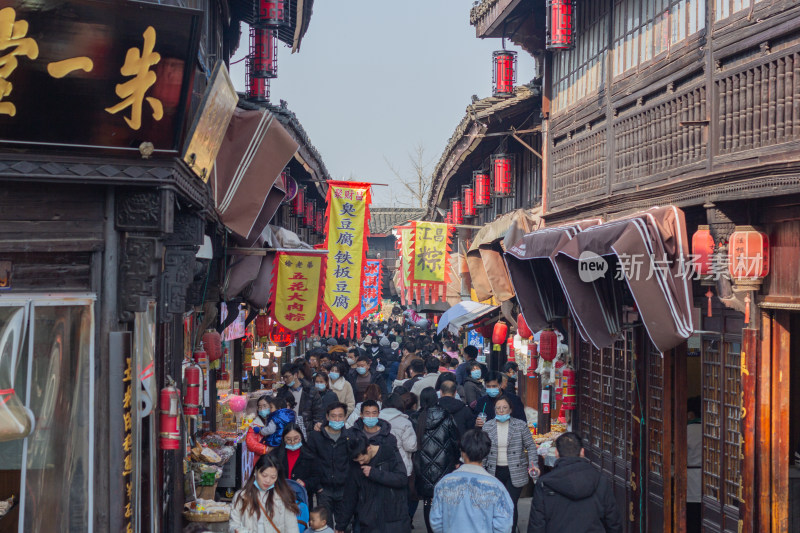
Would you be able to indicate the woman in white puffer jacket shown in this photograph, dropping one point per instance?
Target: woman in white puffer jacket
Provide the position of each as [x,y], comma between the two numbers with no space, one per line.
[402,428]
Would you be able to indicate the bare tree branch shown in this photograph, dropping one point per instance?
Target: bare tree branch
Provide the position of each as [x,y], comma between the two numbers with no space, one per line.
[418,183]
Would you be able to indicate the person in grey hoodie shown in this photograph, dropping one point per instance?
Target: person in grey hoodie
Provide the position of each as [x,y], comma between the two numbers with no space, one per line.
[401,428]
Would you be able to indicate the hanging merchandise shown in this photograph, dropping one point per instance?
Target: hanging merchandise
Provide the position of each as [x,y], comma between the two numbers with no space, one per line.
[429,261]
[193,384]
[169,431]
[568,383]
[247,353]
[346,237]
[212,342]
[296,292]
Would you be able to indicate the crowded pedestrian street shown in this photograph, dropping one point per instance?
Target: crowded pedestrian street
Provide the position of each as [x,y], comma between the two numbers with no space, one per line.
[492,266]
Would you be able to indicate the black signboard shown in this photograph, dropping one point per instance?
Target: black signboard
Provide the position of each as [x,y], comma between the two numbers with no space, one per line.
[95,74]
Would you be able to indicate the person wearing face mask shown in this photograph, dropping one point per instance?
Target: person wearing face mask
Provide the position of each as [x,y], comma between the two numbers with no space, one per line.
[296,460]
[473,385]
[326,395]
[341,387]
[371,426]
[513,456]
[511,370]
[306,397]
[365,374]
[266,503]
[484,408]
[266,430]
[329,448]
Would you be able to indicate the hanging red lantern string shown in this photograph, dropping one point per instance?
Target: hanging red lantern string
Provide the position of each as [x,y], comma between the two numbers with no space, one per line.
[561,25]
[504,73]
[483,197]
[469,202]
[548,345]
[503,175]
[212,342]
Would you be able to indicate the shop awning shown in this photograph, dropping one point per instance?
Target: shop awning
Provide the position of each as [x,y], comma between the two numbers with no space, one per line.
[245,180]
[459,309]
[480,314]
[485,256]
[646,255]
[532,273]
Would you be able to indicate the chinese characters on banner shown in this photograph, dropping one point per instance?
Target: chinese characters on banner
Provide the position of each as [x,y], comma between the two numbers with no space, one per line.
[403,244]
[296,290]
[346,241]
[96,74]
[370,303]
[430,261]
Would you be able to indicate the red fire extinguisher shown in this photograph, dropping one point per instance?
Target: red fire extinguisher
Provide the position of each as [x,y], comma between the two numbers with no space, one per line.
[193,382]
[170,434]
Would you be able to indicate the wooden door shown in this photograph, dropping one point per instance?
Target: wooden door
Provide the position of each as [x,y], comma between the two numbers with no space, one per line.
[722,406]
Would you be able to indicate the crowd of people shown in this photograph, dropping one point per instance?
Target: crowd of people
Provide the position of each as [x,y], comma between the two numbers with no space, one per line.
[362,431]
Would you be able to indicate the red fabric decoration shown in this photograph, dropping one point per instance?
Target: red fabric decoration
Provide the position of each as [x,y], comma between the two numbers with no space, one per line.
[262,325]
[522,327]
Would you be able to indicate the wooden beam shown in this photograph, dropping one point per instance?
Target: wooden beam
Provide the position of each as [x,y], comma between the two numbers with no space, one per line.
[265,251]
[748,482]
[526,145]
[679,401]
[780,421]
[764,425]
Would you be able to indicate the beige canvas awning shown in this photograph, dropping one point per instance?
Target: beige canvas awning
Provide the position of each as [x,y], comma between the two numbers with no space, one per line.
[487,269]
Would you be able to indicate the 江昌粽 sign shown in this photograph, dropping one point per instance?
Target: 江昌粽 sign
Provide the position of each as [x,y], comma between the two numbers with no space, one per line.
[96,74]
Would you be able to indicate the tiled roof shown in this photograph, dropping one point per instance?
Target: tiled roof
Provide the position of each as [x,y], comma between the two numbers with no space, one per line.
[476,113]
[479,9]
[383,219]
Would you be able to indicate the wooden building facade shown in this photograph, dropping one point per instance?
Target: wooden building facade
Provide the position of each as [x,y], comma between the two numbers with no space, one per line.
[691,103]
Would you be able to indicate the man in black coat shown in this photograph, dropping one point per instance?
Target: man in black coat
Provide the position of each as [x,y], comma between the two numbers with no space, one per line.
[378,488]
[574,496]
[462,370]
[363,375]
[462,415]
[376,430]
[329,448]
[307,401]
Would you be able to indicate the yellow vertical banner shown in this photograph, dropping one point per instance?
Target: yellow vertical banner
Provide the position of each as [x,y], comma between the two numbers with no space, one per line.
[296,290]
[346,235]
[429,260]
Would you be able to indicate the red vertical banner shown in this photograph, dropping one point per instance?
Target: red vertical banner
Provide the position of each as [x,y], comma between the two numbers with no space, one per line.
[371,300]
[346,235]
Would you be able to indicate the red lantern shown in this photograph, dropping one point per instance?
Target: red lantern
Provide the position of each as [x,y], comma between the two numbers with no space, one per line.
[469,202]
[457,209]
[504,74]
[264,53]
[299,202]
[273,13]
[503,175]
[748,254]
[212,342]
[500,332]
[561,34]
[262,326]
[486,331]
[193,379]
[548,345]
[309,214]
[512,355]
[169,432]
[319,223]
[703,250]
[522,327]
[257,88]
[448,218]
[483,197]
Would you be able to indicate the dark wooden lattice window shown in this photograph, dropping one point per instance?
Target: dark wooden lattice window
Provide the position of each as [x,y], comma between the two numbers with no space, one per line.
[655,411]
[712,418]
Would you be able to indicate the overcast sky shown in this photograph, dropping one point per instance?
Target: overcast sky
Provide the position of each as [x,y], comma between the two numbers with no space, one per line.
[374,79]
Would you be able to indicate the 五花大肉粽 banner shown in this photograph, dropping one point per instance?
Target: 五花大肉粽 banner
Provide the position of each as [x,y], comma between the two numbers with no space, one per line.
[297,290]
[346,235]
